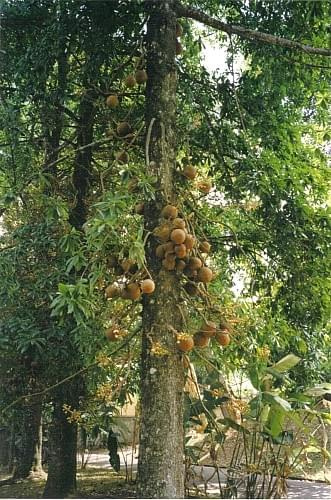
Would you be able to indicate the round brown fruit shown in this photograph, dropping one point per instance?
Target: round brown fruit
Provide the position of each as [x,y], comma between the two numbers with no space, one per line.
[133,291]
[205,274]
[179,48]
[190,172]
[130,81]
[180,265]
[169,212]
[162,232]
[180,251]
[139,208]
[185,344]
[178,236]
[168,265]
[178,223]
[112,101]
[223,339]
[141,76]
[194,263]
[112,291]
[123,129]
[204,247]
[209,329]
[205,186]
[159,251]
[122,157]
[113,333]
[179,30]
[201,340]
[147,286]
[191,289]
[189,241]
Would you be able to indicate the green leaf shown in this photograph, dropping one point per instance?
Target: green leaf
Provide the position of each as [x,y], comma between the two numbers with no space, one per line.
[319,390]
[274,399]
[287,363]
[276,420]
[254,377]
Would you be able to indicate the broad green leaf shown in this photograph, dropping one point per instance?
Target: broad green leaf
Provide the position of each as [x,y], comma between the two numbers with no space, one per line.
[287,363]
[276,420]
[274,399]
[319,390]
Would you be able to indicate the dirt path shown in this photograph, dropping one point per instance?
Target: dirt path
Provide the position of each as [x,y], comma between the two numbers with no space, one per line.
[297,489]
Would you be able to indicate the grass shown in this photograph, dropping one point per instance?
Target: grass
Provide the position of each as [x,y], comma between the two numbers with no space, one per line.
[91,483]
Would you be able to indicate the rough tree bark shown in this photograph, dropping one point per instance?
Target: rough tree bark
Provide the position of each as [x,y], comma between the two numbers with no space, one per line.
[160,466]
[29,451]
[61,480]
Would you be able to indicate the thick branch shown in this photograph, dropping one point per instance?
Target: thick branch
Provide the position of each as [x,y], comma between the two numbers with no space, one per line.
[257,36]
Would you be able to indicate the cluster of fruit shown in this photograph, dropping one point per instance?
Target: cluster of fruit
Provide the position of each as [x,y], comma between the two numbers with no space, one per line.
[124,129]
[190,172]
[221,333]
[179,249]
[130,291]
[139,77]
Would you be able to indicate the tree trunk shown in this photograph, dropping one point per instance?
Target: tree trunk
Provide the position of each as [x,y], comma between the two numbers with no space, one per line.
[160,466]
[29,452]
[82,171]
[61,480]
[11,449]
[4,445]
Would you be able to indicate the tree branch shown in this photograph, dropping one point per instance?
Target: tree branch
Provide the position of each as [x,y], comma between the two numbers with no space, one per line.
[246,33]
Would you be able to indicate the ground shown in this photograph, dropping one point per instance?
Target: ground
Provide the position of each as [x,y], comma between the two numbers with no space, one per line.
[99,481]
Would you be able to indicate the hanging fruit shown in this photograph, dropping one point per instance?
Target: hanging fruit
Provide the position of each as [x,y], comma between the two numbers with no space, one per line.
[190,172]
[185,342]
[169,212]
[147,286]
[130,81]
[201,340]
[223,339]
[112,101]
[209,329]
[141,76]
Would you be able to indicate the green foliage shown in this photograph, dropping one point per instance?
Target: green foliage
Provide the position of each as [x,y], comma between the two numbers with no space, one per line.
[262,137]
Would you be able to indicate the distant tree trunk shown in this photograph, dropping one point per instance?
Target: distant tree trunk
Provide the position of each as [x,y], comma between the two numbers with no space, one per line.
[160,467]
[4,445]
[61,480]
[29,451]
[11,448]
